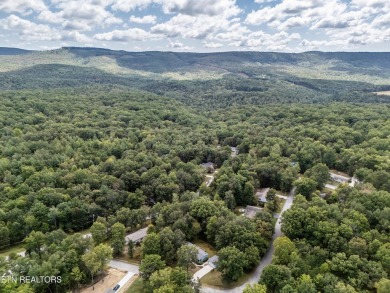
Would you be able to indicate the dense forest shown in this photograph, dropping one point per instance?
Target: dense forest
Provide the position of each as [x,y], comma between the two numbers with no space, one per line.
[83,148]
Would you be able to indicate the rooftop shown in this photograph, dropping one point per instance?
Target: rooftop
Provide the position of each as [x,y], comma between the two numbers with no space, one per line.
[207,165]
[213,261]
[261,194]
[137,235]
[202,255]
[251,211]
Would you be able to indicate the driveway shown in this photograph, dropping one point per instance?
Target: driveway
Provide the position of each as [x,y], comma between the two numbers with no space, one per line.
[125,279]
[202,272]
[267,258]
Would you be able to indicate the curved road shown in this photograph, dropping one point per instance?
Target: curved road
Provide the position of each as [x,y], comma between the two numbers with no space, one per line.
[267,258]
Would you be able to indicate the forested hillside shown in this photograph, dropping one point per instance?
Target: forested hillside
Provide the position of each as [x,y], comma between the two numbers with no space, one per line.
[208,81]
[85,143]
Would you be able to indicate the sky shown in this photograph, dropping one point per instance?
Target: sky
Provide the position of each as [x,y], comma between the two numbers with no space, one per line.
[197,25]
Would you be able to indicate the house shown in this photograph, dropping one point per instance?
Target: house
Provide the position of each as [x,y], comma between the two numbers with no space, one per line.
[213,261]
[234,151]
[339,178]
[261,195]
[137,236]
[251,211]
[209,166]
[201,256]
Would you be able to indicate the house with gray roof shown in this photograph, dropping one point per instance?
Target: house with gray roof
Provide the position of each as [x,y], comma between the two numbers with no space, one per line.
[251,211]
[137,236]
[202,255]
[261,195]
[208,166]
[213,261]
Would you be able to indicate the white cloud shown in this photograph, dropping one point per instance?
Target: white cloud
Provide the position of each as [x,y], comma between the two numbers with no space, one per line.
[263,1]
[341,22]
[82,15]
[382,21]
[144,20]
[129,5]
[271,42]
[112,20]
[299,11]
[189,26]
[187,7]
[378,5]
[21,6]
[260,16]
[209,24]
[28,30]
[178,45]
[331,23]
[75,37]
[132,34]
[212,45]
[315,45]
[292,22]
[201,7]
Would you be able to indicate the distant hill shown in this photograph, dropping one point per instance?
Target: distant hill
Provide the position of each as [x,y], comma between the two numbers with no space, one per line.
[13,51]
[205,80]
[166,61]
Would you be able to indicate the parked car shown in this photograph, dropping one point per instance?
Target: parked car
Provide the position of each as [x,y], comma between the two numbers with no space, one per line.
[116,287]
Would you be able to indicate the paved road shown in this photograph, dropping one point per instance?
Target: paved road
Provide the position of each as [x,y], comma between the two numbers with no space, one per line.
[124,266]
[266,260]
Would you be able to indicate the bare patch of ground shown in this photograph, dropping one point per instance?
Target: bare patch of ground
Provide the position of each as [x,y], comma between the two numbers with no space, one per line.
[384,93]
[109,281]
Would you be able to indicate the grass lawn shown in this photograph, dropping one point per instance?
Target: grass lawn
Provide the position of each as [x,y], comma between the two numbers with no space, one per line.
[327,190]
[136,259]
[214,279]
[193,269]
[136,287]
[281,192]
[15,248]
[335,183]
[206,247]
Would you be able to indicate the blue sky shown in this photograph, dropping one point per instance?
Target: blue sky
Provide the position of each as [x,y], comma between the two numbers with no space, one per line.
[197,25]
